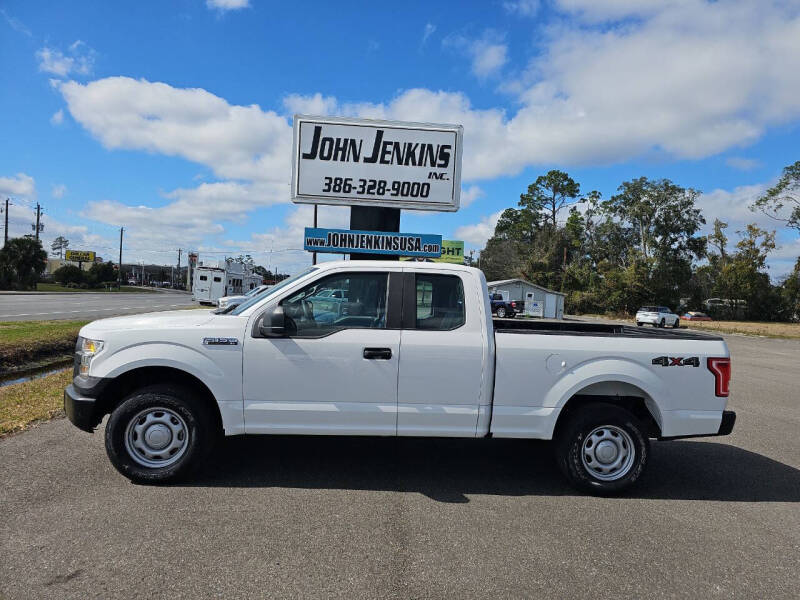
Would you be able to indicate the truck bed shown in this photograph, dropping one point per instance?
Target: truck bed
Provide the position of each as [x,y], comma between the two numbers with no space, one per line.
[595,329]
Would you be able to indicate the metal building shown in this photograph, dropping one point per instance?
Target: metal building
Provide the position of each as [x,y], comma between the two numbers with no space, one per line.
[537,301]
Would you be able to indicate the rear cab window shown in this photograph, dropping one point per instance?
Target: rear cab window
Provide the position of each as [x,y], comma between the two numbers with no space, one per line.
[439,302]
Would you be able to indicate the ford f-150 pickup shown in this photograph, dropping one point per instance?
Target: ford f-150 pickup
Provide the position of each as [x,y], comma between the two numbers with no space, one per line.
[411,350]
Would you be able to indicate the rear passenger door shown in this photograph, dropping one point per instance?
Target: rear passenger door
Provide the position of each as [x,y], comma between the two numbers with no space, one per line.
[443,357]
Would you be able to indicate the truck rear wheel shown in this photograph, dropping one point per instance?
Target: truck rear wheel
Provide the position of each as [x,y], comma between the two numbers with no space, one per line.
[157,435]
[602,449]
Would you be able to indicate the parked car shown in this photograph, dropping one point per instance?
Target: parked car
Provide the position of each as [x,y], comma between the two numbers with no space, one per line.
[694,315]
[657,316]
[503,308]
[227,302]
[417,354]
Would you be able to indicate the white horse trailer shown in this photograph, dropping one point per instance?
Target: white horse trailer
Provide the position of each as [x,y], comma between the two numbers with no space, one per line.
[209,284]
[214,281]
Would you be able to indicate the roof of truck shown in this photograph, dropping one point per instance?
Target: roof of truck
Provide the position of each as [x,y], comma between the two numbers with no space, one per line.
[394,263]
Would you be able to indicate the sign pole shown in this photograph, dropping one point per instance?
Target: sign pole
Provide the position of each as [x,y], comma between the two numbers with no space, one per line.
[314,254]
[374,218]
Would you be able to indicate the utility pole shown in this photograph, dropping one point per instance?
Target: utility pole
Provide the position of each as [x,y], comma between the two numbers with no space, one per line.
[179,265]
[5,241]
[119,271]
[38,218]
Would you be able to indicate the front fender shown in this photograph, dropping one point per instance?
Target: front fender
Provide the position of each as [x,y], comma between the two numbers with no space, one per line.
[157,354]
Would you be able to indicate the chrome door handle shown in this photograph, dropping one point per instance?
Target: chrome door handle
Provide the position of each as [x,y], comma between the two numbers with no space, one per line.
[378,353]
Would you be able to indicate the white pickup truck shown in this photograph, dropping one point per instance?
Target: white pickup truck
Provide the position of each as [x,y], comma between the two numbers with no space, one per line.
[411,349]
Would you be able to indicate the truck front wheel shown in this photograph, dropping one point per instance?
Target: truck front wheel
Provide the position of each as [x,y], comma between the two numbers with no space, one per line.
[602,449]
[501,313]
[157,435]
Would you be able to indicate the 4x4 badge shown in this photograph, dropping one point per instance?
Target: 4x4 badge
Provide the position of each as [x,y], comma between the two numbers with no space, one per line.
[676,361]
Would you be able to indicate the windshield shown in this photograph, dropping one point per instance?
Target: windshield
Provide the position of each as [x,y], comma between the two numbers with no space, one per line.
[277,287]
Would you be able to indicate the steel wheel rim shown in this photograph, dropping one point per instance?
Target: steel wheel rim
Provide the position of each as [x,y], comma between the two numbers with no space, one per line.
[608,453]
[156,437]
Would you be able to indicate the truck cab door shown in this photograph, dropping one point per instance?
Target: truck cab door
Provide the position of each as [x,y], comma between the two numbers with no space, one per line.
[444,356]
[335,372]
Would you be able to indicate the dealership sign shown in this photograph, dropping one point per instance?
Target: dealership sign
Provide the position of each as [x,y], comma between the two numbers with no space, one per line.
[452,252]
[346,241]
[80,255]
[376,163]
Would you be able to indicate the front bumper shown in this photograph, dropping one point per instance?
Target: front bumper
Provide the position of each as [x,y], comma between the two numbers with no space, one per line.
[80,409]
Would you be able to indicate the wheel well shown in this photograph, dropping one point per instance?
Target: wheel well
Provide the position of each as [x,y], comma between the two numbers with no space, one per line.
[634,404]
[128,382]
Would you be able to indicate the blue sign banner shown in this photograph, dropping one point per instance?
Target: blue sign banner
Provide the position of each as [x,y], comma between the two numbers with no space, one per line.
[347,241]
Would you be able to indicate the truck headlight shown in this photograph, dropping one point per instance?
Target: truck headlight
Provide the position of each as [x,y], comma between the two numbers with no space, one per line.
[87,349]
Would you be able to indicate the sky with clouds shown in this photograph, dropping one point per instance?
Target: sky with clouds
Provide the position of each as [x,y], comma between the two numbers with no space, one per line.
[173,119]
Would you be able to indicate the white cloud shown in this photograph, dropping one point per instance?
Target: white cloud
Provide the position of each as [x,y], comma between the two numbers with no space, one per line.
[470,194]
[79,60]
[742,164]
[58,117]
[488,54]
[225,5]
[477,234]
[16,24]
[524,8]
[59,190]
[429,30]
[238,142]
[18,186]
[311,105]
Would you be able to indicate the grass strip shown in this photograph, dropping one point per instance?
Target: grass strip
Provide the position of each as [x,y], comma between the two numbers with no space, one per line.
[24,342]
[24,404]
[126,289]
[762,328]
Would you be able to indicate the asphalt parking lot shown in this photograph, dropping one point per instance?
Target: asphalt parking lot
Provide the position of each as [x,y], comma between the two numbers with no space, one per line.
[87,305]
[327,517]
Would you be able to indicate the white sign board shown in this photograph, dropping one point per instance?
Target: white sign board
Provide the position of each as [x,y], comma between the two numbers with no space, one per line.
[376,163]
[533,308]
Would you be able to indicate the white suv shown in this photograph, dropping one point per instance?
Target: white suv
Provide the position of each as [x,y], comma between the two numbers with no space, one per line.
[657,316]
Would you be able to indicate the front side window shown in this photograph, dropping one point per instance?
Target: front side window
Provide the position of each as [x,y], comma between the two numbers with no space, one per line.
[440,302]
[203,278]
[217,279]
[360,303]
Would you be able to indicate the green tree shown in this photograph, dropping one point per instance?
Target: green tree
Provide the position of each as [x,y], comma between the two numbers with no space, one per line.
[69,274]
[744,277]
[549,194]
[782,201]
[100,273]
[22,262]
[59,245]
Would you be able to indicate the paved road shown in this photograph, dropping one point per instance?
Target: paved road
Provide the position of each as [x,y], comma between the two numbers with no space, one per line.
[294,517]
[41,307]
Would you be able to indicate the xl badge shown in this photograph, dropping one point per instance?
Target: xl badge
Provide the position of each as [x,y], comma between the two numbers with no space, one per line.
[220,341]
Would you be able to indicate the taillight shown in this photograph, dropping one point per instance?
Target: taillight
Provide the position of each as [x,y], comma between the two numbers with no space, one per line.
[513,305]
[721,368]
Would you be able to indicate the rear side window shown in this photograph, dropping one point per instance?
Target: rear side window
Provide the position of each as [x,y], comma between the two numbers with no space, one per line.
[217,279]
[203,278]
[439,302]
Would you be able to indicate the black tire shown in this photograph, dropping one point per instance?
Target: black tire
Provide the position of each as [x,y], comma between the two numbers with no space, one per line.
[638,323]
[676,324]
[501,313]
[569,447]
[663,323]
[186,414]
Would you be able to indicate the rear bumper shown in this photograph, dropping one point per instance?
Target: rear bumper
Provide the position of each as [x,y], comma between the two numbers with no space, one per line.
[728,420]
[725,428]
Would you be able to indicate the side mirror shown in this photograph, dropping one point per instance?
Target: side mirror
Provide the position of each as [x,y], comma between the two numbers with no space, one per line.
[274,324]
